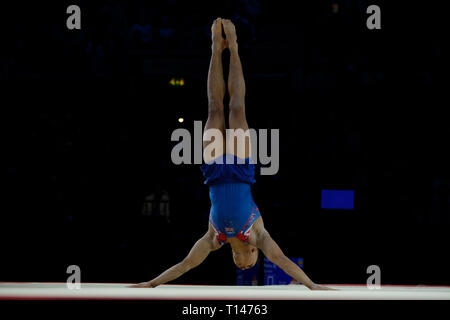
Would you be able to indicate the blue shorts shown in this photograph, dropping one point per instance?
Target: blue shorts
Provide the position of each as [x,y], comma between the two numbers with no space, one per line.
[233,210]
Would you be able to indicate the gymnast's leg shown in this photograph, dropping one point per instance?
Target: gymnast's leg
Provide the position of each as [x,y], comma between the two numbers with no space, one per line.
[216,88]
[236,89]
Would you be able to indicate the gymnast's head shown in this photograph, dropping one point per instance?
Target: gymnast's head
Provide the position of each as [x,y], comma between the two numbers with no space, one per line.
[246,258]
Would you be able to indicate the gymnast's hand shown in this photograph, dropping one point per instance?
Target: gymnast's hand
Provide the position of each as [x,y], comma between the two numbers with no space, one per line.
[148,284]
[319,287]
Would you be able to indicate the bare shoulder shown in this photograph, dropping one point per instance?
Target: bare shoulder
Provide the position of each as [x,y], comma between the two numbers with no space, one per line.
[211,236]
[258,232]
[258,227]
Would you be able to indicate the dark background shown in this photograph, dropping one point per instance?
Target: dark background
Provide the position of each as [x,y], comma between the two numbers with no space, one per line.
[87,117]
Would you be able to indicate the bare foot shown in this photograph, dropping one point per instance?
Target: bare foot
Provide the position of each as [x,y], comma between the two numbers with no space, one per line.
[218,42]
[230,33]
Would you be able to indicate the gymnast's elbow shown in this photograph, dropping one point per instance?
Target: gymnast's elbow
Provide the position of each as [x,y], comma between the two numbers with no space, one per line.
[278,258]
[185,265]
[274,254]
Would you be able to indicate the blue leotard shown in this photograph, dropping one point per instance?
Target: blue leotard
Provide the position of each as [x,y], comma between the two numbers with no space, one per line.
[233,210]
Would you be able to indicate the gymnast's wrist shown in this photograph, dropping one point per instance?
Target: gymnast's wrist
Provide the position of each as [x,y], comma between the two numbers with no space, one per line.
[153,283]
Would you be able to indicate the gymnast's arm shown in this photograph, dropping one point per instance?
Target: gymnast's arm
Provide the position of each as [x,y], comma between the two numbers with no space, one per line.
[197,255]
[273,252]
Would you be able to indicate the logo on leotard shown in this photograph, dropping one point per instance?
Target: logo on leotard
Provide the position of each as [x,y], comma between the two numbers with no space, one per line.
[229,230]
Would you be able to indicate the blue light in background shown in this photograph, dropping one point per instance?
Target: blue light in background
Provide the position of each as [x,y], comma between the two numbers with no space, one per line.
[338,199]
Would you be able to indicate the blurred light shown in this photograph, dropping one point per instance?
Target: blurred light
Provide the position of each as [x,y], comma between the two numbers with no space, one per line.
[180,120]
[176,82]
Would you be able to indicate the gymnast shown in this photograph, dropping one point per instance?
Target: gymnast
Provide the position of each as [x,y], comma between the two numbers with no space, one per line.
[234,217]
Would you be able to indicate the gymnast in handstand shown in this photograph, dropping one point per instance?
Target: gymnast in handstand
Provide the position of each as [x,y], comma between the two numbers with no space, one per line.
[229,172]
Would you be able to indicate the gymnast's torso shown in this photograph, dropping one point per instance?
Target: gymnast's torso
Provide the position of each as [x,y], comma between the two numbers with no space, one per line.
[233,210]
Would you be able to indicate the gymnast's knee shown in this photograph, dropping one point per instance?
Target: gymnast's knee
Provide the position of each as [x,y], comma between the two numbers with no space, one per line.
[215,108]
[237,106]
